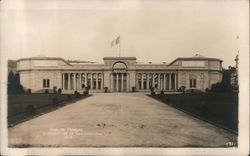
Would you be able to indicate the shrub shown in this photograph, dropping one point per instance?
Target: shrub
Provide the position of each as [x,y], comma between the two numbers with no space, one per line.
[152,92]
[29,91]
[69,98]
[221,87]
[183,89]
[55,102]
[86,93]
[14,86]
[106,89]
[87,88]
[30,109]
[59,91]
[194,91]
[133,89]
[46,91]
[162,93]
[77,94]
[179,89]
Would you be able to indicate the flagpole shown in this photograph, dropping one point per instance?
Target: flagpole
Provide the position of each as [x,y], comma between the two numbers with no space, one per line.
[120,47]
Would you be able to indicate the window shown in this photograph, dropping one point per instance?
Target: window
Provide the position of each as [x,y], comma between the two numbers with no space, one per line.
[192,83]
[45,83]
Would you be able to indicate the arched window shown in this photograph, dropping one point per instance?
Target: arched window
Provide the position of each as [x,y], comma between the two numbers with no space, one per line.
[119,66]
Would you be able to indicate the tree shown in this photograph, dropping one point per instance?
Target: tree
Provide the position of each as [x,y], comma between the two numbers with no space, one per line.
[225,84]
[10,77]
[14,86]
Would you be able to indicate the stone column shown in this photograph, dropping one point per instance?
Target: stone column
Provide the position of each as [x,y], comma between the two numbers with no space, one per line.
[62,81]
[170,86]
[147,81]
[77,80]
[117,82]
[173,84]
[86,79]
[128,81]
[73,83]
[164,81]
[80,81]
[141,81]
[97,79]
[102,80]
[136,81]
[111,81]
[176,87]
[159,81]
[68,86]
[91,80]
[153,80]
[122,82]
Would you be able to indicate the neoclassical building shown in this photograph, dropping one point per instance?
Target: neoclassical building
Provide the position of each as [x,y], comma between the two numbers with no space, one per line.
[118,74]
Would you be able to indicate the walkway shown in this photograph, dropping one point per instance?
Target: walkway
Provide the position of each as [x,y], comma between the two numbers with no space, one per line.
[118,120]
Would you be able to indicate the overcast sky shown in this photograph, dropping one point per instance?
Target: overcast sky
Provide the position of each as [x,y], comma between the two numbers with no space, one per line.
[151,30]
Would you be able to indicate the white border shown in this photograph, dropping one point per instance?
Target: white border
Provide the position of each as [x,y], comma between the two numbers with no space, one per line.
[243,139]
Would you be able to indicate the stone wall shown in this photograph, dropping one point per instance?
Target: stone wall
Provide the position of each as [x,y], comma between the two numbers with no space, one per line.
[34,80]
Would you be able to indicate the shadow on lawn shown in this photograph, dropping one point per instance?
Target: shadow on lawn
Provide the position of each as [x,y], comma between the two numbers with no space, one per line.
[22,107]
[220,109]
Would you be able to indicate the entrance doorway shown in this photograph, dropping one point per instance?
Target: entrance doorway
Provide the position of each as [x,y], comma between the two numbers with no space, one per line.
[119,82]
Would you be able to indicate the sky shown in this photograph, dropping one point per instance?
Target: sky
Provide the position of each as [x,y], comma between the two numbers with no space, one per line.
[151,30]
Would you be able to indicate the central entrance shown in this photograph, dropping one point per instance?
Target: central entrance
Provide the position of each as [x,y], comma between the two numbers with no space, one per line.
[120,82]
[119,77]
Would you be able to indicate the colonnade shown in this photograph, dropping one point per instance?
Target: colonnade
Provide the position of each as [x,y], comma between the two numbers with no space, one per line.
[159,81]
[79,81]
[119,81]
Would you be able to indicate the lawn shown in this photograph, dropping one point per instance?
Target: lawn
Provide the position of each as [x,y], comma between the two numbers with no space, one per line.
[18,105]
[219,108]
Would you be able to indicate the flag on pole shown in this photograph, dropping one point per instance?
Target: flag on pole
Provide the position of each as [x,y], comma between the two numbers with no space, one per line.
[115,41]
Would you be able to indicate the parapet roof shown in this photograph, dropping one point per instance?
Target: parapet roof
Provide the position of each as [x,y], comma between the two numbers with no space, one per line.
[196,57]
[119,58]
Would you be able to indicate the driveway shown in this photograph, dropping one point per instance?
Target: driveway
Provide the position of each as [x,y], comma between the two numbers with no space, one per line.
[117,120]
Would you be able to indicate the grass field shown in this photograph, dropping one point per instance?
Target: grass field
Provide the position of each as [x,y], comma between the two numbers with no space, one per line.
[220,108]
[42,103]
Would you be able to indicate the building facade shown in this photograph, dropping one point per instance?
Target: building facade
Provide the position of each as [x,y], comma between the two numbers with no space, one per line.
[118,74]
